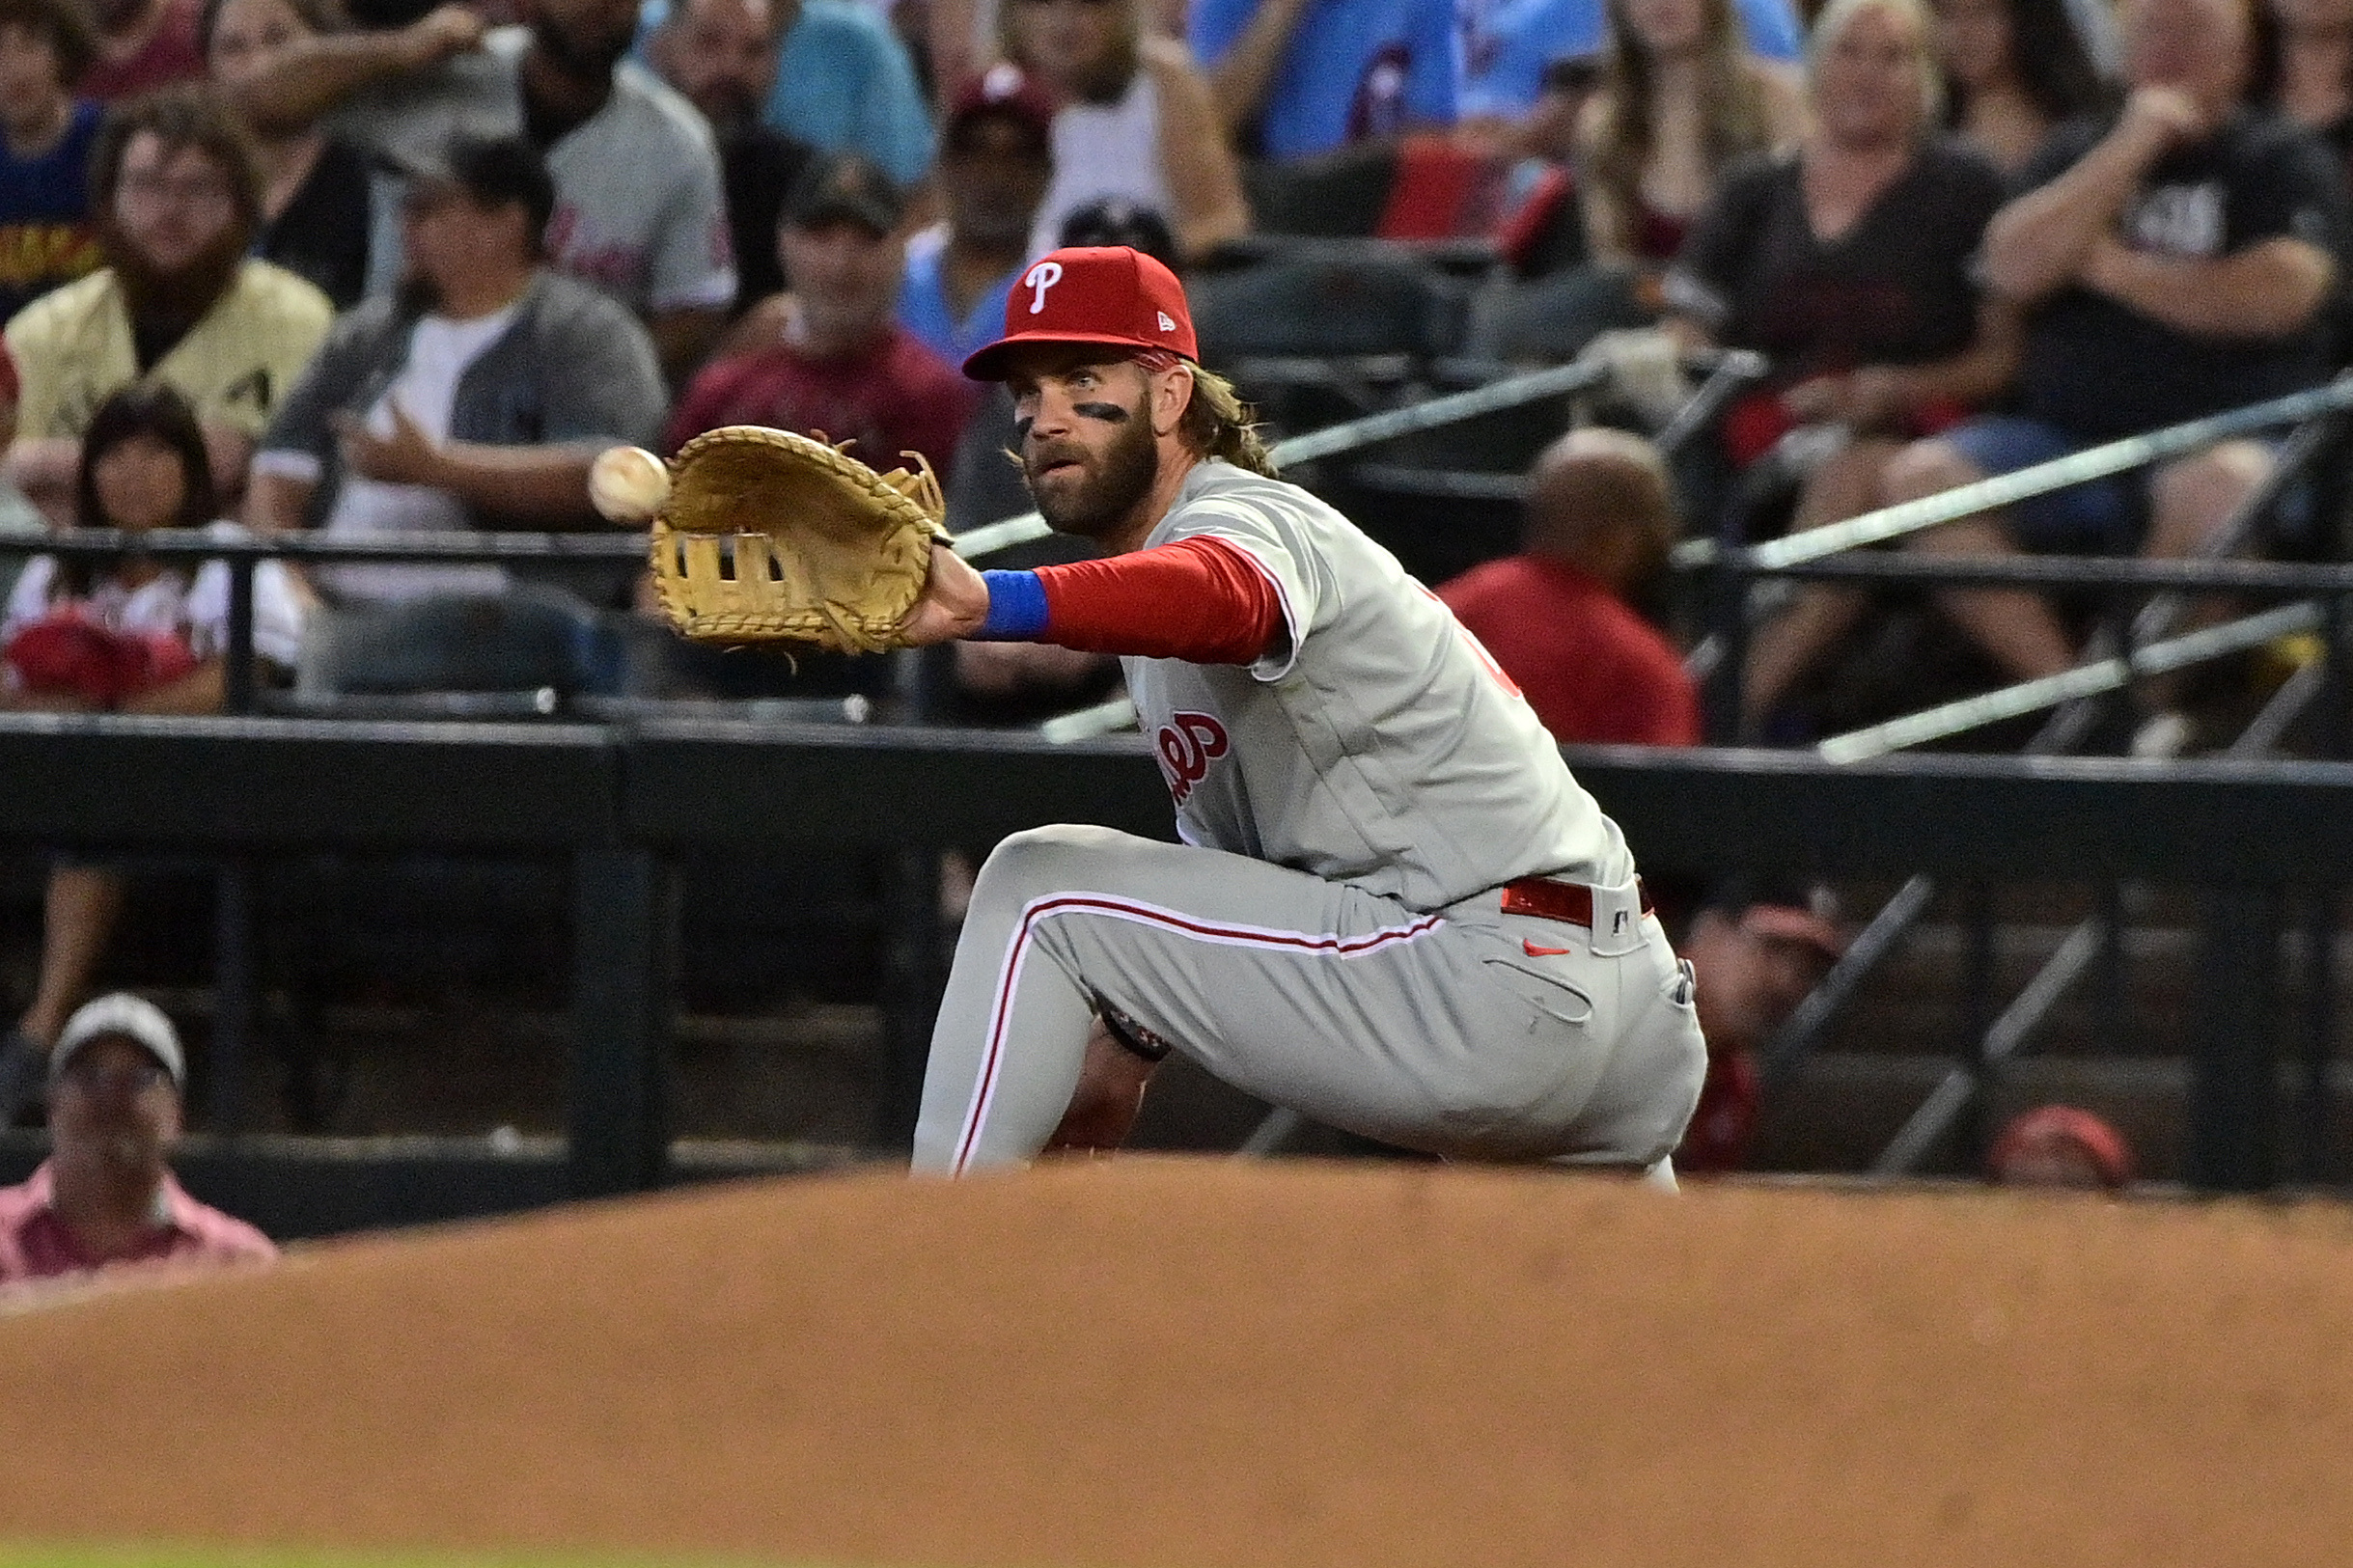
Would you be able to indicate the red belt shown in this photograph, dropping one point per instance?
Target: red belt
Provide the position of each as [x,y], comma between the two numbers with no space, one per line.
[1570,901]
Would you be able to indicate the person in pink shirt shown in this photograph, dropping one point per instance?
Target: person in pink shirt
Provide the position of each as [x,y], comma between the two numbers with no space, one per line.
[106,1199]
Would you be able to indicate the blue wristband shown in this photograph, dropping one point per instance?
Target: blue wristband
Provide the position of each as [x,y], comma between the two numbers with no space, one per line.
[1016,606]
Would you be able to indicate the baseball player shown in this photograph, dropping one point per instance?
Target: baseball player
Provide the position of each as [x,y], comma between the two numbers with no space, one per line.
[1393,910]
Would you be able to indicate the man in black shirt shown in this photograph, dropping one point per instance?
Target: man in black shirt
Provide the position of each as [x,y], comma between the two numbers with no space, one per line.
[2175,261]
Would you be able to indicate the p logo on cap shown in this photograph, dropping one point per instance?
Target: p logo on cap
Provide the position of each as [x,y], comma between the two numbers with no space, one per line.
[1041,278]
[1106,294]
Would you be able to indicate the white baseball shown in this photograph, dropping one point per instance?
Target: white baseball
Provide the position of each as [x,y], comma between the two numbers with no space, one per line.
[628,484]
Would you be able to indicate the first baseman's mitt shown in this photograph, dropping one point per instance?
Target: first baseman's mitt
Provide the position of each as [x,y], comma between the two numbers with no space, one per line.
[772,537]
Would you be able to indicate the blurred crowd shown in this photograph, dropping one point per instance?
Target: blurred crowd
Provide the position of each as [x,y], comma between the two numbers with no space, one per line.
[405,270]
[278,264]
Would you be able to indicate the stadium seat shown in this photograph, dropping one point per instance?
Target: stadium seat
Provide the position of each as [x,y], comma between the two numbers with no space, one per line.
[531,643]
[1329,301]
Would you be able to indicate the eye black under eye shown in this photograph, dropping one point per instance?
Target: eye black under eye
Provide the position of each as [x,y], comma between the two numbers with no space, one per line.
[1022,428]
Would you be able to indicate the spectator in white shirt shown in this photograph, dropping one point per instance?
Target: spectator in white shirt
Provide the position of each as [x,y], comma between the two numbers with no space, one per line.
[1136,120]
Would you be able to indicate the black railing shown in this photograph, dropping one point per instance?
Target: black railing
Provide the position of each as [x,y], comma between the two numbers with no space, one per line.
[738,772]
[2148,647]
[622,801]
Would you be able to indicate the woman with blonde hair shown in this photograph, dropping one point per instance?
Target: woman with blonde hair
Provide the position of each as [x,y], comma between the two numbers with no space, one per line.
[1847,263]
[1136,120]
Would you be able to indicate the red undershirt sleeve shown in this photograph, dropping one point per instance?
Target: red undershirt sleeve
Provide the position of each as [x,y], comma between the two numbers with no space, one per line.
[1200,599]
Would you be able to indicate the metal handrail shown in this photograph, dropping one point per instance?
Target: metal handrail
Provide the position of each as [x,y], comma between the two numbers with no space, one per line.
[2195,575]
[2091,679]
[2072,690]
[2011,1033]
[195,543]
[2004,489]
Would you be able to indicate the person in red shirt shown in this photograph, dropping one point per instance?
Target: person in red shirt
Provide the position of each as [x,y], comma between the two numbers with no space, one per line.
[1599,518]
[839,362]
[106,1199]
[1753,966]
[143,44]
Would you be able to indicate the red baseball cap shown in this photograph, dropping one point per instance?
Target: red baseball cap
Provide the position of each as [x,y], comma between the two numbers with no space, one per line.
[1091,293]
[2035,1130]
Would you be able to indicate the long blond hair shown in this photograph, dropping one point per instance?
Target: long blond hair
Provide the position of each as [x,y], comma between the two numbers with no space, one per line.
[1731,96]
[1217,424]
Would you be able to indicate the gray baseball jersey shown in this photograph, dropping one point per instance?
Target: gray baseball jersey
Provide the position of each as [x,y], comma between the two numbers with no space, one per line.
[1379,743]
[1331,935]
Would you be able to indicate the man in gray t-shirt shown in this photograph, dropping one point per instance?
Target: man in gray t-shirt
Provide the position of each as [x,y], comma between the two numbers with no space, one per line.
[640,210]
[476,398]
[1394,908]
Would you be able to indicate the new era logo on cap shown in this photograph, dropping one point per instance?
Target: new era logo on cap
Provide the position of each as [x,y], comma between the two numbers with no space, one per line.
[1105,295]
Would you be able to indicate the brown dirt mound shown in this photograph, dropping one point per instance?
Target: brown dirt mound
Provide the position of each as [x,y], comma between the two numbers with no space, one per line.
[1201,1363]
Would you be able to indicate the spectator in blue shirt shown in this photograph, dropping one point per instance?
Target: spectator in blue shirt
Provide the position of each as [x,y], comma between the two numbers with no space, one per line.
[1293,78]
[996,158]
[46,137]
[844,83]
[1507,44]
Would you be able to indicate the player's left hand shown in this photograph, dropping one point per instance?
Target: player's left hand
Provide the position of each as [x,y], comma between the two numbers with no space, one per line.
[955,602]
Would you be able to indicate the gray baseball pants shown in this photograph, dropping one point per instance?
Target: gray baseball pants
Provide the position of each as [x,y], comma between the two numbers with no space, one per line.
[1463,1032]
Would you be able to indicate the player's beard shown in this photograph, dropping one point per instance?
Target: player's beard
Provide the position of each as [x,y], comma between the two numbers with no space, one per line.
[1112,486]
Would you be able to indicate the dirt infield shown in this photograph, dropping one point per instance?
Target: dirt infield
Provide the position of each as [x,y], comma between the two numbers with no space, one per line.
[1199,1363]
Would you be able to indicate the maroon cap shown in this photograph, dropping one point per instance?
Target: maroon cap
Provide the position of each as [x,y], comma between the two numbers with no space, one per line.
[1093,294]
[1003,89]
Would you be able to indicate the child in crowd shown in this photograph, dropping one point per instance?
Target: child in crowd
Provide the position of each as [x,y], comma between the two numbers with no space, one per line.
[2060,1145]
[134,633]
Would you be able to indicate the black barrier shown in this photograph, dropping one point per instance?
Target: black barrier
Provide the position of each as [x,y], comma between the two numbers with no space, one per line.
[619,800]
